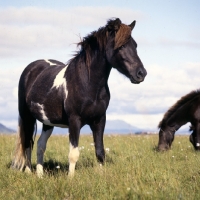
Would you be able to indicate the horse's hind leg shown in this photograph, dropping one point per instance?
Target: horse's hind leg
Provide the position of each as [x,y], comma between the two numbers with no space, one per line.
[24,147]
[29,126]
[28,152]
[41,147]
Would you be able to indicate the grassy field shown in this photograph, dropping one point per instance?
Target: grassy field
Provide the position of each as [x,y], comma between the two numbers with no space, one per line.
[133,170]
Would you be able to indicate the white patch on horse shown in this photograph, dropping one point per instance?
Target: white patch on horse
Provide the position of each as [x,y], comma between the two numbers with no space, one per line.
[73,158]
[61,81]
[198,144]
[45,119]
[49,62]
[41,147]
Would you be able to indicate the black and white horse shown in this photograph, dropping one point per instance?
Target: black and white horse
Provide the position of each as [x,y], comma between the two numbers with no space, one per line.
[75,94]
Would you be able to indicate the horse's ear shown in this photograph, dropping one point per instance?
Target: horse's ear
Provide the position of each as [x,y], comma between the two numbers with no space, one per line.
[114,25]
[117,24]
[132,25]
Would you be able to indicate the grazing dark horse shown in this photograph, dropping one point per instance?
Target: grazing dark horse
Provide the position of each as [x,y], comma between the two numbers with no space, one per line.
[75,94]
[187,109]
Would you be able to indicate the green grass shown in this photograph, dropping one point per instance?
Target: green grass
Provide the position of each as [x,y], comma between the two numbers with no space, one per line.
[133,170]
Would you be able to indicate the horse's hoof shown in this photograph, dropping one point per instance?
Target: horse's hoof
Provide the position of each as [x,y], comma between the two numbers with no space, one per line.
[27,170]
[70,175]
[39,171]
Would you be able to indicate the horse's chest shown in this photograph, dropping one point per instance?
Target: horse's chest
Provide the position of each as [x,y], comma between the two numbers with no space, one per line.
[98,106]
[94,109]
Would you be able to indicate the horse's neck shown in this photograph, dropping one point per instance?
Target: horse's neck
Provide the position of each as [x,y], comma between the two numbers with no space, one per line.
[180,117]
[94,75]
[99,74]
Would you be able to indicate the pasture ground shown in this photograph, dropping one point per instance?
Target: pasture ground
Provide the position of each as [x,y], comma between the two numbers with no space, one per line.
[133,170]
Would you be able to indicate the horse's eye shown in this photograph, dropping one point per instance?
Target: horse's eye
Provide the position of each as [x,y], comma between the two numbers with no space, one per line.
[121,47]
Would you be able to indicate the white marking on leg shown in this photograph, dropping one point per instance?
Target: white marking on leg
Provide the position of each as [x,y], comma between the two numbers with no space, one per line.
[39,170]
[198,144]
[60,80]
[49,62]
[73,158]
[27,170]
[28,160]
[41,147]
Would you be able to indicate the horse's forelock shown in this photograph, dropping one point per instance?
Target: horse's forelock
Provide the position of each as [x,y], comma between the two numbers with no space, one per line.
[98,39]
[122,36]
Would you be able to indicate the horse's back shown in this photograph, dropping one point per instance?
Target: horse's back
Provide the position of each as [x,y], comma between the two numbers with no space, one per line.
[36,85]
[37,67]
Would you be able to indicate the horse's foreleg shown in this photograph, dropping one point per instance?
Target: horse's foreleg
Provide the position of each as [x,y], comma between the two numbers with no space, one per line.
[74,132]
[41,147]
[73,158]
[98,131]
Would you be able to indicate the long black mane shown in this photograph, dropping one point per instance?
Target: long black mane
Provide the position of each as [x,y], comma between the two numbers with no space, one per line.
[177,105]
[96,41]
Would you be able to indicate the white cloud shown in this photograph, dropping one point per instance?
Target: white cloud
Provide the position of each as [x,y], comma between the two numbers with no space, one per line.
[139,120]
[32,32]
[29,29]
[180,43]
[87,15]
[8,94]
[162,87]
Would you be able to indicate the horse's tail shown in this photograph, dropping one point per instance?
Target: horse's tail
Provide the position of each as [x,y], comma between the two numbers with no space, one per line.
[19,154]
[19,159]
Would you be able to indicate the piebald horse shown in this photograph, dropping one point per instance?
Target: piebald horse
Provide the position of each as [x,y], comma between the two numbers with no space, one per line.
[75,94]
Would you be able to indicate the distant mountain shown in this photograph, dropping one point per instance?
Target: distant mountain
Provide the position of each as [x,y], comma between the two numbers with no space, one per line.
[120,126]
[4,129]
[112,126]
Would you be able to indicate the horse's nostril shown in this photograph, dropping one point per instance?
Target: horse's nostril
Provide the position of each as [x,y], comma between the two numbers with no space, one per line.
[140,74]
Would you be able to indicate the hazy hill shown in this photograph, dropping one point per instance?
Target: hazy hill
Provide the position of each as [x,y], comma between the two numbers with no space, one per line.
[112,126]
[4,129]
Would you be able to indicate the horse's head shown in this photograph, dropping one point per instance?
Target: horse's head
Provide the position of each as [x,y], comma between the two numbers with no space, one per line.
[121,51]
[166,137]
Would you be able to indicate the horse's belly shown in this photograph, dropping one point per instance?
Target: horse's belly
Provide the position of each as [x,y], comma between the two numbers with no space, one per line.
[50,116]
[48,122]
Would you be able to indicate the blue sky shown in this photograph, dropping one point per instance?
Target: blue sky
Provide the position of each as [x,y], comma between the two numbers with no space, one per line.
[167,33]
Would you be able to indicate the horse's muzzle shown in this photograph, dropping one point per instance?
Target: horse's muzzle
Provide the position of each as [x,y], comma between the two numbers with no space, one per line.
[133,80]
[163,147]
[139,76]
